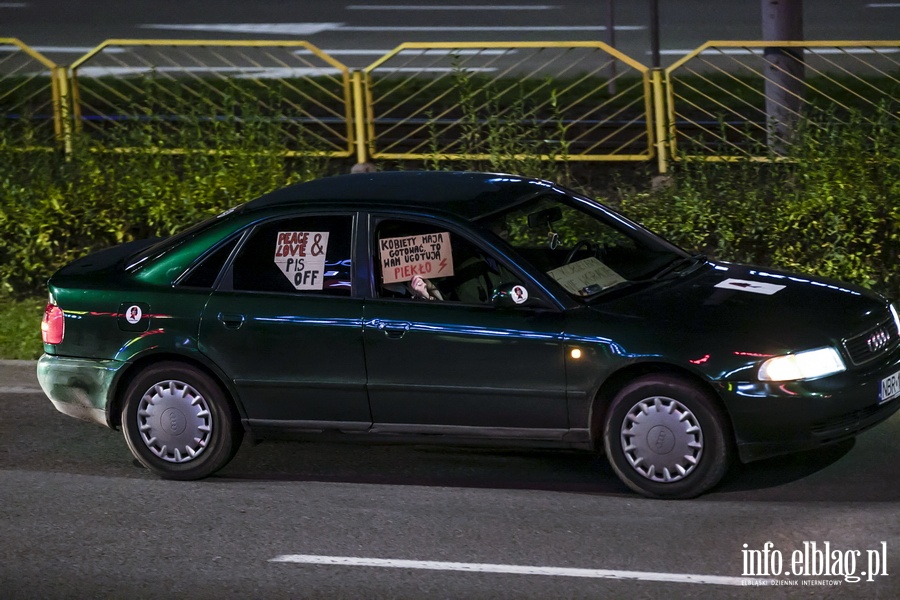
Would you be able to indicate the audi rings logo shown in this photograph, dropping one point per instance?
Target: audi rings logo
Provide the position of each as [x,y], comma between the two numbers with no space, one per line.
[878,340]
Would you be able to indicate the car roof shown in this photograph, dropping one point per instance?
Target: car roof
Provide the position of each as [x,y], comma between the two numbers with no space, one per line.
[467,194]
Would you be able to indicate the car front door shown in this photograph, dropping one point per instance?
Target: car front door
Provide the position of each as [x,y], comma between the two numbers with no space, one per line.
[458,363]
[285,326]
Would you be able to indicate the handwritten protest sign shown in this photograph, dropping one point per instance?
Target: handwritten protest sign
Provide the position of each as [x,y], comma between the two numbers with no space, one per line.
[301,257]
[428,255]
[585,276]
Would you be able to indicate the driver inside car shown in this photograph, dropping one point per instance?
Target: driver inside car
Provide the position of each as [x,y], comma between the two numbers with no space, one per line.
[422,288]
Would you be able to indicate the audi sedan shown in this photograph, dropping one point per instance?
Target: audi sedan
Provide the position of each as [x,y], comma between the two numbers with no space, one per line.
[461,308]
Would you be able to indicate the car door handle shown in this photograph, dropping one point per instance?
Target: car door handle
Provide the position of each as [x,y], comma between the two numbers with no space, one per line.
[231,320]
[394,330]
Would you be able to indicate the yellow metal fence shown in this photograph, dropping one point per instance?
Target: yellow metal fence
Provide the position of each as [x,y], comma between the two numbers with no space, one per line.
[564,101]
[449,100]
[128,92]
[732,100]
[32,98]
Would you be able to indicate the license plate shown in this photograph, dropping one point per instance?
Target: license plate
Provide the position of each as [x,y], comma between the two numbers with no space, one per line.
[890,387]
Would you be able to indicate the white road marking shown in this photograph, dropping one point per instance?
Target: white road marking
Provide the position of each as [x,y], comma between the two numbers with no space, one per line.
[20,389]
[333,51]
[314,28]
[255,72]
[437,52]
[13,4]
[884,5]
[759,51]
[239,72]
[411,7]
[497,28]
[352,561]
[267,28]
[437,70]
[62,49]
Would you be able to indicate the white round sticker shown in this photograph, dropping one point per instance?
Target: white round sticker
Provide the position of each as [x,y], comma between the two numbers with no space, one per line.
[133,314]
[519,294]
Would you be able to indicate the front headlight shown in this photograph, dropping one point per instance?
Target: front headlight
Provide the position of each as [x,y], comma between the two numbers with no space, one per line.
[803,365]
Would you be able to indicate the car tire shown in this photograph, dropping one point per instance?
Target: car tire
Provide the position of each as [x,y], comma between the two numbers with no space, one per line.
[179,423]
[666,437]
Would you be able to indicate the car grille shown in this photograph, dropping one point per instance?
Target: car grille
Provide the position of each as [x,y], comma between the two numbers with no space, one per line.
[873,343]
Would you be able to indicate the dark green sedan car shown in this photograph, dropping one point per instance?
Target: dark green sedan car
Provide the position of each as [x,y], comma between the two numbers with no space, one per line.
[461,308]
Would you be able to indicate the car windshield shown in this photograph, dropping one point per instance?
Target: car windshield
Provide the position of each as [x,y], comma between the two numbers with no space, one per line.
[585,247]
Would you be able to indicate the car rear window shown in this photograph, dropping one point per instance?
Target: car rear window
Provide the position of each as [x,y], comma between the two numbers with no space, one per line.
[308,254]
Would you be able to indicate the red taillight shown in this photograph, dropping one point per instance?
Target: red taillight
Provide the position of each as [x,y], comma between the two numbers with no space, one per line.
[53,325]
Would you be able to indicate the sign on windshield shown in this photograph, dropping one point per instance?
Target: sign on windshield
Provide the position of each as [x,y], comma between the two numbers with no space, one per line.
[585,277]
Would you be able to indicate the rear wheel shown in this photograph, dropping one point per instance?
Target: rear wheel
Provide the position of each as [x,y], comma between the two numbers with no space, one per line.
[666,438]
[178,423]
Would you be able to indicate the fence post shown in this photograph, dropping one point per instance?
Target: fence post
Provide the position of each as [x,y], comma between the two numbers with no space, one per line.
[359,125]
[659,120]
[62,112]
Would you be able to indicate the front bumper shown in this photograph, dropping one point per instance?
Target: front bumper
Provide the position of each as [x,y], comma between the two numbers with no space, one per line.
[79,387]
[777,418]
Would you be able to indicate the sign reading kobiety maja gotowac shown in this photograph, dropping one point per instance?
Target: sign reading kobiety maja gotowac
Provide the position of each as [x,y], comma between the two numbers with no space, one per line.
[427,255]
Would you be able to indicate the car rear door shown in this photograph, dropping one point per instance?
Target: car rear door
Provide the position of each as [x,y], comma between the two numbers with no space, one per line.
[285,326]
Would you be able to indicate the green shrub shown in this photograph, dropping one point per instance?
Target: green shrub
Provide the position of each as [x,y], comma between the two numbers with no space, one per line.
[841,214]
[831,208]
[55,208]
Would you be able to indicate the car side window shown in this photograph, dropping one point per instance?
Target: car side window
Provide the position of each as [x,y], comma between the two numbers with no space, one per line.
[310,254]
[450,266]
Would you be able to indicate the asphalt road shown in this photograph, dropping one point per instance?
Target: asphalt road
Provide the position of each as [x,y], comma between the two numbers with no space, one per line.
[358,33]
[312,520]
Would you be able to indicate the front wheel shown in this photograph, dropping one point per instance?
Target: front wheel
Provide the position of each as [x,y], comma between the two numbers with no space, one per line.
[178,423]
[666,438]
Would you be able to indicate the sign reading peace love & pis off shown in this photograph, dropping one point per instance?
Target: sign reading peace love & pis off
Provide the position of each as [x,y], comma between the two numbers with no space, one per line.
[301,257]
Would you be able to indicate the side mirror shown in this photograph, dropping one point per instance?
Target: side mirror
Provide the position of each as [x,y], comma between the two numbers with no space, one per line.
[509,295]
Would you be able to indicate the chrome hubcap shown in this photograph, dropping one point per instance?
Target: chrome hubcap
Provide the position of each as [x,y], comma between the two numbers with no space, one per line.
[662,439]
[174,421]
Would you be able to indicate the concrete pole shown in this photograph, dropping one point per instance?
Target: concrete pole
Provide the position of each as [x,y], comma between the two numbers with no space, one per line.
[654,33]
[782,20]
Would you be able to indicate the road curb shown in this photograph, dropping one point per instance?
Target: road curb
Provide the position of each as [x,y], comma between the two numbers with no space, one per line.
[18,373]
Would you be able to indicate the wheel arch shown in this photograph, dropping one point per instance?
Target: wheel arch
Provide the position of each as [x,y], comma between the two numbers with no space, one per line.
[145,361]
[613,384]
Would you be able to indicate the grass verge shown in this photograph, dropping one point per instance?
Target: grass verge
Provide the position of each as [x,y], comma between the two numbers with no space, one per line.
[20,328]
